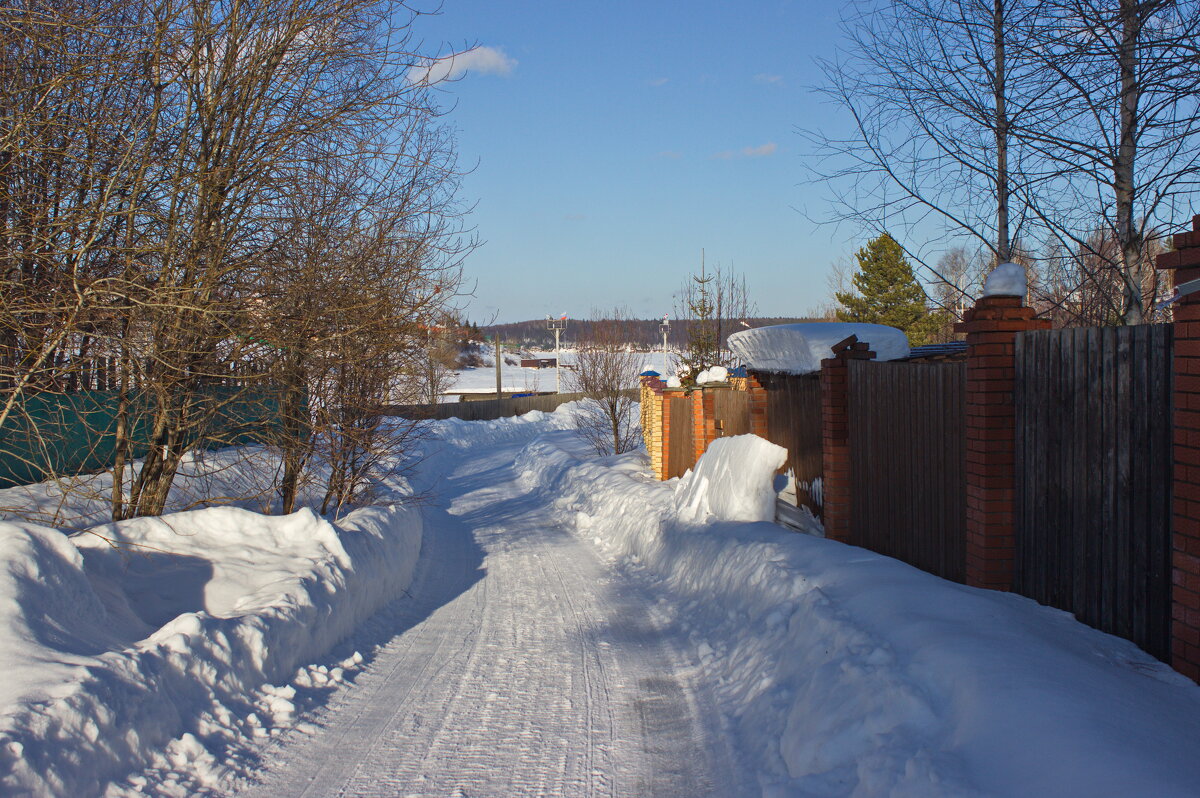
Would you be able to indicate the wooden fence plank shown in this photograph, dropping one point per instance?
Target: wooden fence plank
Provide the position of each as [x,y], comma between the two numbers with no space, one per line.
[908,462]
[1093,485]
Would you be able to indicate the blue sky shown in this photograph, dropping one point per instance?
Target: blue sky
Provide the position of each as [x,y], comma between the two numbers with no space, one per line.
[612,141]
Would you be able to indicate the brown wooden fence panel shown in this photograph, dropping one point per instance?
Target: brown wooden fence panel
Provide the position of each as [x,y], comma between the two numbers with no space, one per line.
[731,412]
[794,422]
[908,462]
[681,453]
[1093,487]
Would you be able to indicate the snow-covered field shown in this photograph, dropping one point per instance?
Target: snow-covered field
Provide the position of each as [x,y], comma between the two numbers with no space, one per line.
[515,378]
[552,623]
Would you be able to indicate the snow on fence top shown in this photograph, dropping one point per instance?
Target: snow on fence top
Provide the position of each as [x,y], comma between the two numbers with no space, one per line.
[1007,279]
[800,348]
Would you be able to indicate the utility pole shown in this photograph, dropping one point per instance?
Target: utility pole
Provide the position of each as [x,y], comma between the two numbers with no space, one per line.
[557,325]
[665,328]
[499,389]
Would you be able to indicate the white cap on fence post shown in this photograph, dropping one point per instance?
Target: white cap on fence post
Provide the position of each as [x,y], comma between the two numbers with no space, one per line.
[1007,279]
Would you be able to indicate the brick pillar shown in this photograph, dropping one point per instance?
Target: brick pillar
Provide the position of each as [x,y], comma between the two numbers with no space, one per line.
[701,422]
[758,406]
[835,435]
[654,423]
[1184,265]
[991,327]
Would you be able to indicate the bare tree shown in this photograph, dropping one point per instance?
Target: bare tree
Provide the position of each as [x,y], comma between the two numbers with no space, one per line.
[606,373]
[153,160]
[1124,140]
[937,91]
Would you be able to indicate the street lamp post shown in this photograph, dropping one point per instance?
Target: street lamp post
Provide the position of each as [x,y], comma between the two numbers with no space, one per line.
[665,328]
[557,325]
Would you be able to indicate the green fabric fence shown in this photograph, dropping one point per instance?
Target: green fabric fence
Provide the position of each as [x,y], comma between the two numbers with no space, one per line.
[52,434]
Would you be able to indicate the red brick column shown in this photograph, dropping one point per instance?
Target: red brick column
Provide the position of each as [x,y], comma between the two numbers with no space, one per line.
[758,406]
[1184,264]
[703,425]
[991,327]
[835,436]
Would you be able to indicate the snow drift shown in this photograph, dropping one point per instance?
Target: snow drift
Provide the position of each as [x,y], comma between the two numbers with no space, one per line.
[158,641]
[846,673]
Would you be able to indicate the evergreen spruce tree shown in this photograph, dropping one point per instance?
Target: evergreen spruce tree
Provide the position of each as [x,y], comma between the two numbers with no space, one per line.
[888,293]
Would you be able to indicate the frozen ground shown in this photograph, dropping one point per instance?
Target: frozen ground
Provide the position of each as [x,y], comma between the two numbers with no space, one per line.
[570,627]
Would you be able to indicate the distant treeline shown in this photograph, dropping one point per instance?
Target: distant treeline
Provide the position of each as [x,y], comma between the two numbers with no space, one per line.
[640,332]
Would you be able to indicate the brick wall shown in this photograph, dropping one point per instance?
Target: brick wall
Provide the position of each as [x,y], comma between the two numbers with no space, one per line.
[835,435]
[1184,265]
[991,327]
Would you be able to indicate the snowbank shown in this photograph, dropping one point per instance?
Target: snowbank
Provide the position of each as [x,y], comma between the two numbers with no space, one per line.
[800,348]
[732,482]
[164,640]
[846,673]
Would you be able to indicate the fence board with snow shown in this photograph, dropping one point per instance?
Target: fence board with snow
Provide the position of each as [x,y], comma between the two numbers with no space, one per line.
[794,422]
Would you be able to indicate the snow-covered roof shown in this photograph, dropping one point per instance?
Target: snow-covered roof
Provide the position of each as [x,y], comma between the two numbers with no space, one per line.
[800,348]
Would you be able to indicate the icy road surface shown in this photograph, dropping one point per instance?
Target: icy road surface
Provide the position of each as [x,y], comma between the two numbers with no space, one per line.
[525,667]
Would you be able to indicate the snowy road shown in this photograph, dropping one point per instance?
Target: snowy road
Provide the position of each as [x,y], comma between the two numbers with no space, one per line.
[525,666]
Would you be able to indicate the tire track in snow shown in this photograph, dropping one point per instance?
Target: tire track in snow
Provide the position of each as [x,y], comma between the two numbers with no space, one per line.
[547,676]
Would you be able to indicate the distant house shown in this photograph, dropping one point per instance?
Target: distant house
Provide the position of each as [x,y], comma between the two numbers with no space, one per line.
[539,363]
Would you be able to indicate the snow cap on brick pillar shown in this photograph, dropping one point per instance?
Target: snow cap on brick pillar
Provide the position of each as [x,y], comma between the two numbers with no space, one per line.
[991,327]
[1184,264]
[835,435]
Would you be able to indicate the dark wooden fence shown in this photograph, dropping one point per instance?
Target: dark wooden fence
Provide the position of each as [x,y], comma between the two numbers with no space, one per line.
[1093,492]
[908,462]
[487,410]
[681,453]
[794,422]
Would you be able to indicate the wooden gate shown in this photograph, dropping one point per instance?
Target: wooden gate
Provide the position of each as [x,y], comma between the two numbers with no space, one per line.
[908,462]
[731,412]
[1093,487]
[794,422]
[680,452]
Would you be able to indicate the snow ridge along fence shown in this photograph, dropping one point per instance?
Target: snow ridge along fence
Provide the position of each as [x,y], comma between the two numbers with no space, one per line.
[1044,464]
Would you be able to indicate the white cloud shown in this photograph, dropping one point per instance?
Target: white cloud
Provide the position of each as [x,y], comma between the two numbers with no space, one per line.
[480,60]
[761,151]
[763,77]
[659,81]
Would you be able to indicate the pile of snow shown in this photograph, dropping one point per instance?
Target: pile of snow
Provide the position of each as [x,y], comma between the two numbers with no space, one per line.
[1007,279]
[712,374]
[156,642]
[732,482]
[800,348]
[845,673]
